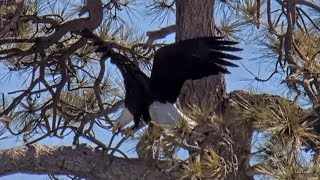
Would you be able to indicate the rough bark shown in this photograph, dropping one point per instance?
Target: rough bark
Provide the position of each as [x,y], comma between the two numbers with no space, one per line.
[79,161]
[195,19]
[95,164]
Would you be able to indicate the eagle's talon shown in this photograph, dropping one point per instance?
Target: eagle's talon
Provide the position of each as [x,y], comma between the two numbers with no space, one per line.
[116,128]
[129,133]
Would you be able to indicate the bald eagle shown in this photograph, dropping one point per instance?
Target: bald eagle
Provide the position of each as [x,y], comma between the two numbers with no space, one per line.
[153,99]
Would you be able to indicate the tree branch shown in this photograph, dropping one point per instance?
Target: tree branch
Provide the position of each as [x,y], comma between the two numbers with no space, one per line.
[159,34]
[14,19]
[308,3]
[95,11]
[80,161]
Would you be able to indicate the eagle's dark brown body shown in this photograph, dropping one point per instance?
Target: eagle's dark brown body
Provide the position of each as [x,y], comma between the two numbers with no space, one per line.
[172,66]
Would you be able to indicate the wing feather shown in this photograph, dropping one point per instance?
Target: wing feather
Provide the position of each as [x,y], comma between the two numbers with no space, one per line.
[219,54]
[189,59]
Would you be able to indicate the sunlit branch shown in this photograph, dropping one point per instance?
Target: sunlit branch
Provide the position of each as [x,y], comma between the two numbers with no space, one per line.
[159,34]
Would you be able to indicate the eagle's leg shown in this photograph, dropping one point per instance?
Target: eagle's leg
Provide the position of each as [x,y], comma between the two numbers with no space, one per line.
[116,128]
[129,132]
[122,121]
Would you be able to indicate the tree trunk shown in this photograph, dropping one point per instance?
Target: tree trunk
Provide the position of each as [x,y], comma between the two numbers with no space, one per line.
[196,19]
[81,161]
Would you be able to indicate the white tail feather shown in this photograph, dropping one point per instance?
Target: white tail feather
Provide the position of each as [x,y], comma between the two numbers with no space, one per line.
[167,114]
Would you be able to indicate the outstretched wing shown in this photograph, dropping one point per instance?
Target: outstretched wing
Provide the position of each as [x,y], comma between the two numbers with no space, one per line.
[189,59]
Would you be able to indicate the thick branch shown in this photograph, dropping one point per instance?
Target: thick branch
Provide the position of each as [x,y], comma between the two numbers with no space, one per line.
[83,161]
[14,19]
[95,11]
[80,161]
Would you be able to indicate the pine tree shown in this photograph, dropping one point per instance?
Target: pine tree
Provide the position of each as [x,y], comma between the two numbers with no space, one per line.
[70,90]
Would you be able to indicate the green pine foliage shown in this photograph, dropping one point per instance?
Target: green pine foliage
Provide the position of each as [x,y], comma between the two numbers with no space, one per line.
[69,86]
